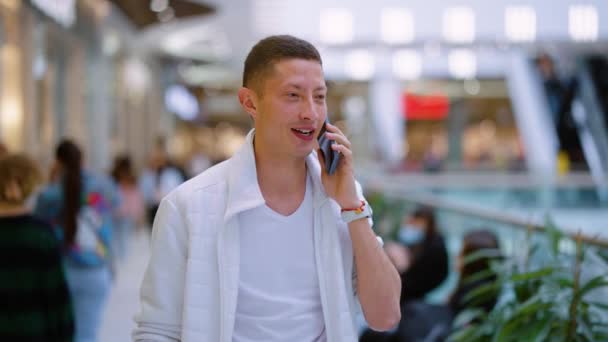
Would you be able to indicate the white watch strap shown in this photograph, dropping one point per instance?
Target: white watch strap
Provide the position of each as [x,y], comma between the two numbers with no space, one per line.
[351,215]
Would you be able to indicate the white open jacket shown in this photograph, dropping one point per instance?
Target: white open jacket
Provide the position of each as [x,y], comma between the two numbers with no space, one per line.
[189,292]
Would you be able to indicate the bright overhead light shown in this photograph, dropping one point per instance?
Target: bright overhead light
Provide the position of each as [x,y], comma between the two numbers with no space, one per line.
[462,64]
[159,5]
[407,64]
[520,23]
[459,25]
[336,26]
[583,23]
[396,25]
[359,64]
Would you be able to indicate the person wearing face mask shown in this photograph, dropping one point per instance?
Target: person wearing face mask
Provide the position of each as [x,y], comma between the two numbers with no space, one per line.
[420,255]
[421,258]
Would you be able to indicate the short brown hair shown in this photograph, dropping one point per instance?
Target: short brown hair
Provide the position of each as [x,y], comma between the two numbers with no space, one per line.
[19,177]
[273,49]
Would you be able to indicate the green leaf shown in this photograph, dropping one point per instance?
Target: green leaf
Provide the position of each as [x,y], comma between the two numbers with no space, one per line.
[485,274]
[464,335]
[603,306]
[487,253]
[554,235]
[535,331]
[541,273]
[534,304]
[597,282]
[565,282]
[466,317]
[481,293]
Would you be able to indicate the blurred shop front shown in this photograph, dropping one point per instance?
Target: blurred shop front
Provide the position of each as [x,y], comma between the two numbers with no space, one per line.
[68,70]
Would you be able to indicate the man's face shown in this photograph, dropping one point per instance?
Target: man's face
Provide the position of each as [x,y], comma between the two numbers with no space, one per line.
[290,107]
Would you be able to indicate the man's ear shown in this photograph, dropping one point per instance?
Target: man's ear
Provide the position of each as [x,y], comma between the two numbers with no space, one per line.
[248,100]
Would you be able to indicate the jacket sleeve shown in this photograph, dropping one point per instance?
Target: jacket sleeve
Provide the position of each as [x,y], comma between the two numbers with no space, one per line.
[161,294]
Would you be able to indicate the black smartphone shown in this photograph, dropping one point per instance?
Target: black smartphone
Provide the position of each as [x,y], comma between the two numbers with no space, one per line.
[332,158]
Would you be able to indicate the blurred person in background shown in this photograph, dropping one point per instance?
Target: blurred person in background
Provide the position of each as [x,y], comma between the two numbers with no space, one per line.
[158,179]
[554,88]
[131,212]
[3,149]
[268,246]
[34,296]
[560,94]
[80,205]
[420,257]
[473,242]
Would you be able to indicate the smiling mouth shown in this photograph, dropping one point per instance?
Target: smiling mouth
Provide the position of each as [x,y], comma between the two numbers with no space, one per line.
[306,132]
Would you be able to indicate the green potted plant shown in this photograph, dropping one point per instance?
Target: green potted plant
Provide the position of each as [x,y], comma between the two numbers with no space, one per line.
[554,290]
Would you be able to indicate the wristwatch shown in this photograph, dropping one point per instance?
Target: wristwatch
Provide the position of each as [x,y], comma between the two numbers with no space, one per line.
[352,214]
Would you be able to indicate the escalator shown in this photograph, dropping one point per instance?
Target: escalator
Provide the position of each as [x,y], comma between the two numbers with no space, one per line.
[562,120]
[578,108]
[589,112]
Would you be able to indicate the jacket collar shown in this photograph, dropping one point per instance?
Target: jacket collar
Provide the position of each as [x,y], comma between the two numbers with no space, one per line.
[243,189]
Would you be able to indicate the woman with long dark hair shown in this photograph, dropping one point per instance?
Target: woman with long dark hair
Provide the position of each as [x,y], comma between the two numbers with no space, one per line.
[472,242]
[80,206]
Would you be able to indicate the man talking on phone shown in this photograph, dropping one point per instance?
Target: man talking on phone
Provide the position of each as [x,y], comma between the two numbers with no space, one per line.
[268,246]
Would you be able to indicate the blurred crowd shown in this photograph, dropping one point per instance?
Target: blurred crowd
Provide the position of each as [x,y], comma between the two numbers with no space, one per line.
[65,232]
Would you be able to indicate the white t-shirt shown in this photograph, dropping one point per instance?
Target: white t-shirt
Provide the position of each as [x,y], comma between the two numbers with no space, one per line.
[279,297]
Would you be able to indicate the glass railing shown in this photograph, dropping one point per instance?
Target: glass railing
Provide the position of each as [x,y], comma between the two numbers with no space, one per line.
[500,211]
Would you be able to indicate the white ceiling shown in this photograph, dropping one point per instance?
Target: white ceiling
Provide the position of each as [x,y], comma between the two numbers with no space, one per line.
[227,36]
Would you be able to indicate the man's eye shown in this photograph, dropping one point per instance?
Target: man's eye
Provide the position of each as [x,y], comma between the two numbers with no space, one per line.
[320,97]
[292,95]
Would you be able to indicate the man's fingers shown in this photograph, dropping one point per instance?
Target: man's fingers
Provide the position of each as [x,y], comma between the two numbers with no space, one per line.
[339,138]
[342,149]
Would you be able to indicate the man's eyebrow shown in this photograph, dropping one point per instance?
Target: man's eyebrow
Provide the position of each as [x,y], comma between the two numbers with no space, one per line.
[293,85]
[298,87]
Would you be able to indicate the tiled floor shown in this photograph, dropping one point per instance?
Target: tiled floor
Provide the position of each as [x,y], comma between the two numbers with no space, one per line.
[118,322]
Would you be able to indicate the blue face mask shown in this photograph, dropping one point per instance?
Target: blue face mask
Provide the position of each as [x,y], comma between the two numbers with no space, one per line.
[410,235]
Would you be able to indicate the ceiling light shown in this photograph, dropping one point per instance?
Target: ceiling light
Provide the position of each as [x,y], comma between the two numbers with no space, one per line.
[359,64]
[462,64]
[336,25]
[397,25]
[520,23]
[583,23]
[459,25]
[407,64]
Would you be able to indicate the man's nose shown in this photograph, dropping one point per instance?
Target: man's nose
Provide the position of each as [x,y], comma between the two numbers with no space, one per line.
[309,110]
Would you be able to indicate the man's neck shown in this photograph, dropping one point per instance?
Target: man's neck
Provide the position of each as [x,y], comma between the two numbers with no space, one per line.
[282,181]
